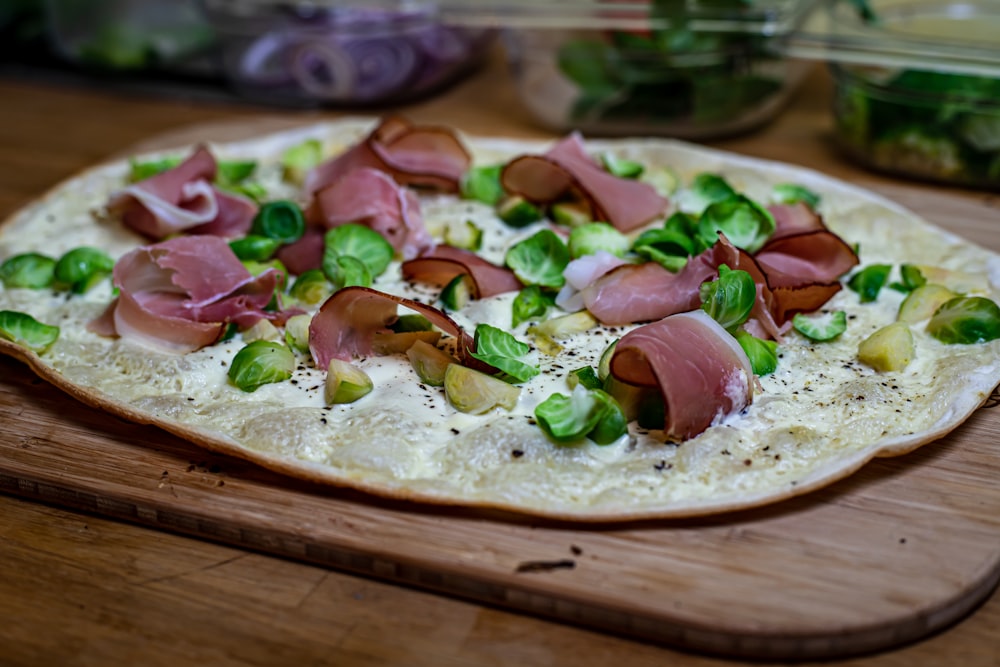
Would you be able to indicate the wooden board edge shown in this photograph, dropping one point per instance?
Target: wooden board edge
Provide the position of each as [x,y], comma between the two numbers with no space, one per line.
[483,590]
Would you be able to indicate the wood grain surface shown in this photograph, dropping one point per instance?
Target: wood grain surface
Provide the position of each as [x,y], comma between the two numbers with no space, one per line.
[903,548]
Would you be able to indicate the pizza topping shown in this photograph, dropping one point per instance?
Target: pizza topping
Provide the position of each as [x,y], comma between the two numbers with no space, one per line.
[585,413]
[966,320]
[798,260]
[499,349]
[869,281]
[580,273]
[30,270]
[888,349]
[482,183]
[255,248]
[539,259]
[183,199]
[567,171]
[26,331]
[593,237]
[745,223]
[474,392]
[921,303]
[730,298]
[763,354]
[425,156]
[371,197]
[442,264]
[81,268]
[298,160]
[429,362]
[346,383]
[346,323]
[701,371]
[794,218]
[280,220]
[794,194]
[821,327]
[354,255]
[305,254]
[179,294]
[261,362]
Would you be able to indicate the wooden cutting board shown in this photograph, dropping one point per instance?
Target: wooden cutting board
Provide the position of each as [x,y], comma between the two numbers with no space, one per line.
[901,549]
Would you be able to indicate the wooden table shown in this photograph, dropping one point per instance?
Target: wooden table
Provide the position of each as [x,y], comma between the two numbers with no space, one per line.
[80,589]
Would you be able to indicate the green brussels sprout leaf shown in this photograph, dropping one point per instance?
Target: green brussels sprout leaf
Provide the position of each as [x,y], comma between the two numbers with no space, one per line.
[26,331]
[502,351]
[261,362]
[825,326]
[31,270]
[730,298]
[539,259]
[966,320]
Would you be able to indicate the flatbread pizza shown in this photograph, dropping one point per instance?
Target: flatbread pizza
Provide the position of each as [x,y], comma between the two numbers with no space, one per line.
[578,329]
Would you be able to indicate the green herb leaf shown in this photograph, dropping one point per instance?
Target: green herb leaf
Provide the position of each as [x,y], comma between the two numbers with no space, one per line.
[257,248]
[531,303]
[588,238]
[826,326]
[730,298]
[31,270]
[966,320]
[501,350]
[299,159]
[539,259]
[234,172]
[621,167]
[791,193]
[584,413]
[745,223]
[869,281]
[311,287]
[82,268]
[763,354]
[361,242]
[482,184]
[281,220]
[26,331]
[261,362]
[140,171]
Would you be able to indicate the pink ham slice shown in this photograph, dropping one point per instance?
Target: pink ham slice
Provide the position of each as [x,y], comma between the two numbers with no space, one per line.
[794,218]
[370,197]
[567,170]
[425,156]
[183,199]
[647,292]
[179,295]
[441,264]
[700,370]
[347,322]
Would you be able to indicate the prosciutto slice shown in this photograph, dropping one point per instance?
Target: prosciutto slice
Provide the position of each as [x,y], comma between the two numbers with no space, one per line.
[347,322]
[441,264]
[647,292]
[700,370]
[183,199]
[179,295]
[372,198]
[425,156]
[567,170]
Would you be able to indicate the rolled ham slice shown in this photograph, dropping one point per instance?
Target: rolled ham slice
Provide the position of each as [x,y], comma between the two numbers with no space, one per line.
[426,156]
[179,295]
[441,264]
[372,198]
[347,322]
[700,370]
[183,199]
[566,170]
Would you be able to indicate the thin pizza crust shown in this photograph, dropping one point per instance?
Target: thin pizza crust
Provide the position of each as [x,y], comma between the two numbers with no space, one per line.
[818,419]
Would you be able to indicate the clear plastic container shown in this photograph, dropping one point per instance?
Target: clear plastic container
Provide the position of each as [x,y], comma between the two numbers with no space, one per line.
[342,53]
[694,70]
[917,85]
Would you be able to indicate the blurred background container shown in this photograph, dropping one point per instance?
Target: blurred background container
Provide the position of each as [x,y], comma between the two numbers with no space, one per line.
[682,68]
[342,53]
[917,85]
